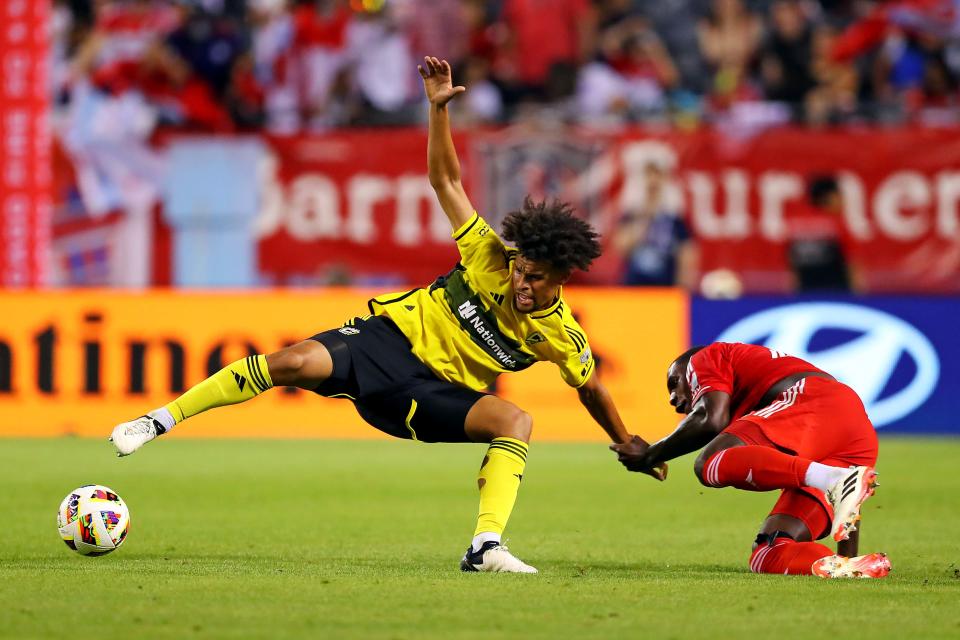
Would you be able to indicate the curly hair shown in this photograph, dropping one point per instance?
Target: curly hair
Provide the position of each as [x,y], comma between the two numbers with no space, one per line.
[552,233]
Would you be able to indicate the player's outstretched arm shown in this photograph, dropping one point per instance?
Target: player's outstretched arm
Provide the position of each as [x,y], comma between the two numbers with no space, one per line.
[443,167]
[599,403]
[709,417]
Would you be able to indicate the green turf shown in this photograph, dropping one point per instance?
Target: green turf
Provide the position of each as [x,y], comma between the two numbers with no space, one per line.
[321,539]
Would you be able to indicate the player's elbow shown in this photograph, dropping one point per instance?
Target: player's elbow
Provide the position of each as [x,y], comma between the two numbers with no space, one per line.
[443,181]
[705,421]
[713,428]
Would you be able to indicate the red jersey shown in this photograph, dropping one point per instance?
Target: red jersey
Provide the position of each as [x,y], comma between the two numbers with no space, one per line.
[745,371]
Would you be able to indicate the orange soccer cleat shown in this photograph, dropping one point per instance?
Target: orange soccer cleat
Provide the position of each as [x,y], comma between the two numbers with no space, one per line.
[846,495]
[872,565]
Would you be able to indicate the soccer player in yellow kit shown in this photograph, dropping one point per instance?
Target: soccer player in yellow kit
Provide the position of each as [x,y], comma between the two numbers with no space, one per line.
[417,366]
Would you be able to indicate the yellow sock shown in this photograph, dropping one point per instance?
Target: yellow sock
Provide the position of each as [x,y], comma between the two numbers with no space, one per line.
[499,481]
[236,382]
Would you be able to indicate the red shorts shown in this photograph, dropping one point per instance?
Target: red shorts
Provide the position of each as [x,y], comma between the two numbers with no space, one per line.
[819,419]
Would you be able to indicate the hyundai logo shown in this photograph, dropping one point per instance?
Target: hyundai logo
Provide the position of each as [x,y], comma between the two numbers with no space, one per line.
[866,362]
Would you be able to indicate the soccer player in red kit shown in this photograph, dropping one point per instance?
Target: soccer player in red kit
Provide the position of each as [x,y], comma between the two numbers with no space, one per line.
[769,421]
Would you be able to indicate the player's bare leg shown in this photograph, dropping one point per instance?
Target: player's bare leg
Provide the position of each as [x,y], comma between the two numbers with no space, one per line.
[507,428]
[305,364]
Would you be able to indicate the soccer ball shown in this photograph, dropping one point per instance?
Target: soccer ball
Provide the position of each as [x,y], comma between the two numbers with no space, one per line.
[93,520]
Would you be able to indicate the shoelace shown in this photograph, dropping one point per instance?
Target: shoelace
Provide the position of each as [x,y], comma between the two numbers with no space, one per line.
[139,428]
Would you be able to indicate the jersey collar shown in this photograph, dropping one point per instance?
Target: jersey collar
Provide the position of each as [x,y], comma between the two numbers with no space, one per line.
[554,308]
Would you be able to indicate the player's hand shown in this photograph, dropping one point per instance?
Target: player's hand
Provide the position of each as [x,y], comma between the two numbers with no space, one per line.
[633,455]
[438,81]
[659,472]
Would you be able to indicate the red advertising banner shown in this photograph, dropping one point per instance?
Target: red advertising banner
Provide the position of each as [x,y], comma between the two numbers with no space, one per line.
[353,202]
[25,163]
[900,191]
[360,203]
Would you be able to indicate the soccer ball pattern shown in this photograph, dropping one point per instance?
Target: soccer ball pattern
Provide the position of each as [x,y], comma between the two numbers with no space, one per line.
[93,520]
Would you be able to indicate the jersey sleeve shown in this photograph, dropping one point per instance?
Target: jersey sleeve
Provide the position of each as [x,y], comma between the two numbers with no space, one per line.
[709,370]
[574,358]
[481,249]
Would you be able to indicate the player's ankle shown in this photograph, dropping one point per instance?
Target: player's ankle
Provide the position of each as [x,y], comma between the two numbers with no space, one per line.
[481,538]
[822,476]
[164,417]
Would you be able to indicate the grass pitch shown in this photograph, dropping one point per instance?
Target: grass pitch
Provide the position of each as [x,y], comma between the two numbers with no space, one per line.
[313,539]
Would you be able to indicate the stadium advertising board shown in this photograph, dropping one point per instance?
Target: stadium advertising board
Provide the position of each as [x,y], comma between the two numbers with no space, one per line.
[899,354]
[77,363]
[331,202]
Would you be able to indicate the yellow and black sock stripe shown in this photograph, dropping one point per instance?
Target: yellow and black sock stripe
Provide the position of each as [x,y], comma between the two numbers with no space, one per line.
[499,480]
[513,446]
[237,382]
[259,375]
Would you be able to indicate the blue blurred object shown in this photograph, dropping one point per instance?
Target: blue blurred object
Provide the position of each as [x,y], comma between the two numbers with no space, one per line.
[211,199]
[898,353]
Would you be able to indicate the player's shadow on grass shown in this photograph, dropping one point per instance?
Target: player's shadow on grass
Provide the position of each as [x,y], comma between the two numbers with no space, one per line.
[600,567]
[326,565]
[193,563]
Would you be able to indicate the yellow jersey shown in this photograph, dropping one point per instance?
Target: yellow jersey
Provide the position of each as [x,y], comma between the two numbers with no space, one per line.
[465,328]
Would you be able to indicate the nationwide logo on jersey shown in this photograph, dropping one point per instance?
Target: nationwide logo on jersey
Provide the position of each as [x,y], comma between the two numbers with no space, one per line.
[535,338]
[481,325]
[882,345]
[468,311]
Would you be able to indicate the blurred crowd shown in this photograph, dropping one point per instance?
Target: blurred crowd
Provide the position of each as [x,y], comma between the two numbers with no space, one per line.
[307,65]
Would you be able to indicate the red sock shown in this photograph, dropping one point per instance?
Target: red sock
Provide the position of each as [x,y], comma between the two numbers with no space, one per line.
[755,468]
[787,557]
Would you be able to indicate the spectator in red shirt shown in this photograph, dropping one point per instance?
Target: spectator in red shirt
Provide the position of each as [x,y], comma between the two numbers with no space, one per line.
[549,39]
[817,241]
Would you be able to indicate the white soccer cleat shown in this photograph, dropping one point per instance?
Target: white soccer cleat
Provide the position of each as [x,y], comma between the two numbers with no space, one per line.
[127,437]
[846,495]
[872,565]
[493,556]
